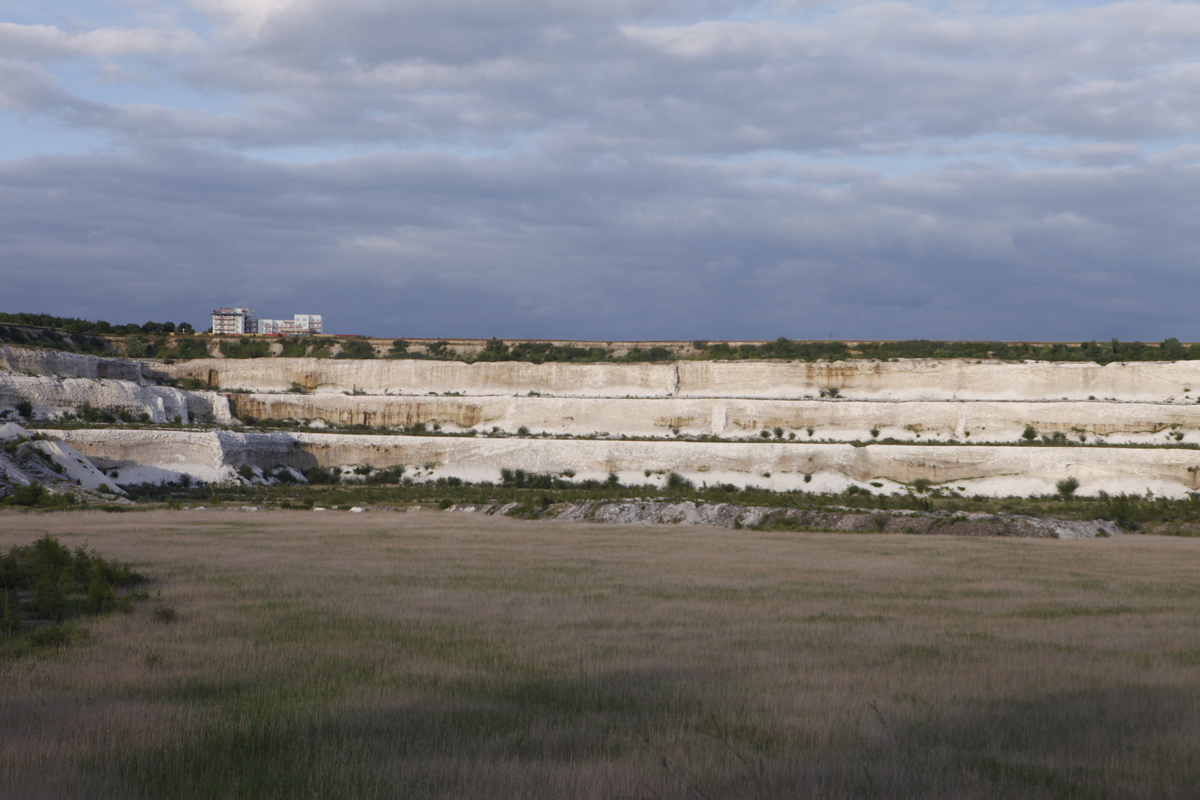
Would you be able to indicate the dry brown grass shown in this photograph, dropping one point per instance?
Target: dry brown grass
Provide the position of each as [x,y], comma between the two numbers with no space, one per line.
[438,655]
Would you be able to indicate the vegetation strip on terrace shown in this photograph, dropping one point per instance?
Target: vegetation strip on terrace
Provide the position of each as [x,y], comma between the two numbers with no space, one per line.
[536,494]
[102,419]
[166,340]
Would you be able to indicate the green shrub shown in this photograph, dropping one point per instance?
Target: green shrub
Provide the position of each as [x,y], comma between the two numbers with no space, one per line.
[55,635]
[1066,487]
[25,409]
[389,475]
[89,413]
[245,348]
[678,483]
[10,619]
[101,598]
[357,349]
[188,348]
[136,346]
[59,500]
[33,494]
[317,475]
[49,597]
[295,347]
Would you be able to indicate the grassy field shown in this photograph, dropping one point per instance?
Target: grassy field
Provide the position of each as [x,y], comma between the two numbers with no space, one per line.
[426,654]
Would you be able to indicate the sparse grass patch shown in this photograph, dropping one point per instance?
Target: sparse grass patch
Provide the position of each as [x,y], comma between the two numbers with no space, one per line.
[443,655]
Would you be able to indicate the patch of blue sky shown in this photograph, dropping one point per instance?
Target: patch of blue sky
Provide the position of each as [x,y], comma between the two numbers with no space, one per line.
[72,15]
[84,79]
[21,137]
[79,17]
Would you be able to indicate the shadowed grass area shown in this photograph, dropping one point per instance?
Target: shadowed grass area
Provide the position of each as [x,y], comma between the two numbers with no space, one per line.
[432,655]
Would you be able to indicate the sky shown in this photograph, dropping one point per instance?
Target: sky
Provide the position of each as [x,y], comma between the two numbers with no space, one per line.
[607,169]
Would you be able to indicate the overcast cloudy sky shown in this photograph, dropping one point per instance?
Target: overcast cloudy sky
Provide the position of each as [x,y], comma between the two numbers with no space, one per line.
[607,168]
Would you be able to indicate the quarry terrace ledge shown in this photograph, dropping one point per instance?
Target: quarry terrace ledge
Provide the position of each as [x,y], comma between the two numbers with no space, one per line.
[983,470]
[918,379]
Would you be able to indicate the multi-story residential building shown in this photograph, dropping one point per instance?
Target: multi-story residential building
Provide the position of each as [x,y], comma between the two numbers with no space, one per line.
[240,321]
[299,325]
[234,321]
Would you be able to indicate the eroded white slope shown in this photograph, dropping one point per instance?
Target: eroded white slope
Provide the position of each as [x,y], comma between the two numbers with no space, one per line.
[76,470]
[53,397]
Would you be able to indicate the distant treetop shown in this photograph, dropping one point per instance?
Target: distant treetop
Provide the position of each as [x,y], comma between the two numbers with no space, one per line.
[73,325]
[149,340]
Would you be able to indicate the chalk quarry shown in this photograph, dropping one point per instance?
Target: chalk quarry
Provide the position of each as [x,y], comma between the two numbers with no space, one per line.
[961,424]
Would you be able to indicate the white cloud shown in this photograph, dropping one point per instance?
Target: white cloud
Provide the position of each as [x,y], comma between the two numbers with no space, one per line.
[37,42]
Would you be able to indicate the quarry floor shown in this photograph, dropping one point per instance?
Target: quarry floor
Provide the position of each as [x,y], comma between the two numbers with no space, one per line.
[441,655]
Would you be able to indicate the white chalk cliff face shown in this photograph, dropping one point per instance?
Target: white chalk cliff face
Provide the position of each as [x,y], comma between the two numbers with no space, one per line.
[912,379]
[956,423]
[51,463]
[737,418]
[996,471]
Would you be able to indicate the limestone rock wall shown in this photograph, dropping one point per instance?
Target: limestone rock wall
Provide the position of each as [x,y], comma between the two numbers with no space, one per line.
[430,377]
[910,379]
[918,402]
[845,420]
[54,397]
[140,456]
[914,379]
[39,361]
[989,470]
[72,472]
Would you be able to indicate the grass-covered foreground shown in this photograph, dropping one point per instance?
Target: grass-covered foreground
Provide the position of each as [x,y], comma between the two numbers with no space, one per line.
[423,654]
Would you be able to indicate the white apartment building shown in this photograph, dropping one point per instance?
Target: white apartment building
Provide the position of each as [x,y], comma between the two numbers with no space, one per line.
[234,321]
[240,321]
[299,325]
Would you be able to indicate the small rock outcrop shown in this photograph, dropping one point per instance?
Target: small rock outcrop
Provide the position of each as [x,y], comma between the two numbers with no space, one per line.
[726,515]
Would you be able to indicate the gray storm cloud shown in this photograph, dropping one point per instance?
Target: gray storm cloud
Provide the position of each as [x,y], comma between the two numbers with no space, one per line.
[624,169]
